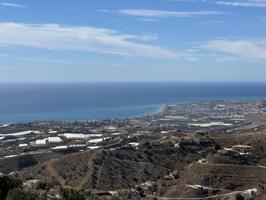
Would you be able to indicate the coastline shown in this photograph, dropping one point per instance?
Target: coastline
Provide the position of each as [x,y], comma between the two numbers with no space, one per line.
[158,110]
[86,102]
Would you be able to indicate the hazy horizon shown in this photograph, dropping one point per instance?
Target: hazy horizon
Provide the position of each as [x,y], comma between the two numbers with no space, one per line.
[138,82]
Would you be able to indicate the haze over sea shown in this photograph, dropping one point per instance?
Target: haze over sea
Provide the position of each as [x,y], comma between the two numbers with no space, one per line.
[87,101]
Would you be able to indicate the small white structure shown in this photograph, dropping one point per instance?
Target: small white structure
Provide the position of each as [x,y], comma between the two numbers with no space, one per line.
[74,136]
[177,145]
[95,135]
[52,132]
[17,134]
[11,156]
[110,128]
[113,193]
[37,132]
[134,144]
[164,132]
[22,145]
[73,146]
[54,140]
[4,125]
[49,140]
[93,147]
[59,148]
[115,134]
[202,160]
[94,141]
[248,194]
[199,187]
[172,176]
[147,184]
[205,125]
[41,142]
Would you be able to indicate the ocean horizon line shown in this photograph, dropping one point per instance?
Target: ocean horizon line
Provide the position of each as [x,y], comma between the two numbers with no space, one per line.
[42,102]
[157,111]
[142,82]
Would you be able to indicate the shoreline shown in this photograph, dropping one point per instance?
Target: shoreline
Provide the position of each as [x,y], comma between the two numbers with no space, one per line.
[24,104]
[159,110]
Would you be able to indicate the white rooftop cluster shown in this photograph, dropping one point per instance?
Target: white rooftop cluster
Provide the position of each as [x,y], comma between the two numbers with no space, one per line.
[41,142]
[95,135]
[54,140]
[96,140]
[74,136]
[49,140]
[79,136]
[65,147]
[210,124]
[77,146]
[22,133]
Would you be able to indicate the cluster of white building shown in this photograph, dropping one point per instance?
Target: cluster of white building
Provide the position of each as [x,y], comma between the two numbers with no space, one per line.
[93,139]
[49,140]
[210,124]
[96,138]
[79,136]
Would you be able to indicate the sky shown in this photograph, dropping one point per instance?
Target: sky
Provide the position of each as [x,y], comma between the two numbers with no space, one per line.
[133,41]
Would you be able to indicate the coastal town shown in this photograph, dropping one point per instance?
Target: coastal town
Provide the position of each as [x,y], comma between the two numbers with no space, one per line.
[133,100]
[194,150]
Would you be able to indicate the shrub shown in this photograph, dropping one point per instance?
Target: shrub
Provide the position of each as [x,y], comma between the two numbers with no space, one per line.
[21,194]
[71,194]
[7,183]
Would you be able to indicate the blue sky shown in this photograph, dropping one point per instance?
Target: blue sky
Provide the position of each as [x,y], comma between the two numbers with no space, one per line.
[132,40]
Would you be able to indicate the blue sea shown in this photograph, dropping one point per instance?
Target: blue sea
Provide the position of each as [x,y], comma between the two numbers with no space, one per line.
[87,101]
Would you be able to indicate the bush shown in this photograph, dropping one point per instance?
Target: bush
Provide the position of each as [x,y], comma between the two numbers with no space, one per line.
[71,194]
[239,197]
[21,194]
[46,185]
[8,183]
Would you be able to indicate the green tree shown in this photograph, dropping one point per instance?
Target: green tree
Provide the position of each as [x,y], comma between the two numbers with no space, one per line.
[71,194]
[7,183]
[21,194]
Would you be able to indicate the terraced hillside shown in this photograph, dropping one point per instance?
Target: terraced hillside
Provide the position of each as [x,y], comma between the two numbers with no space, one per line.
[116,169]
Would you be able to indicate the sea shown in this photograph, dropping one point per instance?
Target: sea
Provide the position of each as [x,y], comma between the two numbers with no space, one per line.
[24,102]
